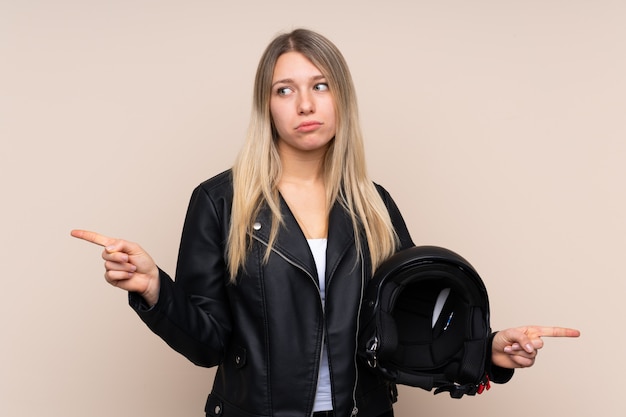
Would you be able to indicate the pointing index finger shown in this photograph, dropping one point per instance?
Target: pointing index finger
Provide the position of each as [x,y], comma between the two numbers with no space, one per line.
[92,237]
[558,332]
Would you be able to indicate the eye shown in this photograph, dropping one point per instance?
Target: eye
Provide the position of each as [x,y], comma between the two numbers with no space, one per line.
[321,87]
[283,91]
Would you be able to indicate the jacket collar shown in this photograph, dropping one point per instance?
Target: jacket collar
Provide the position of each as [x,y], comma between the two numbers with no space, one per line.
[291,242]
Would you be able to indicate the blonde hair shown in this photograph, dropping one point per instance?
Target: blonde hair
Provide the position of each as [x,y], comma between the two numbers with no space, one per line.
[257,170]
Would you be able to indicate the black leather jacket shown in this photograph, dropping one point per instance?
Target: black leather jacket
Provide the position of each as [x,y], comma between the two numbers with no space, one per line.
[266,333]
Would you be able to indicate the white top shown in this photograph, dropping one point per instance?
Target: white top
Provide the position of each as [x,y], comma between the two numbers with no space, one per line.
[323,395]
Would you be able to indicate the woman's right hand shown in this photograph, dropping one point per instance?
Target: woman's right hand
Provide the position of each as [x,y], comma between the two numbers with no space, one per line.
[127,265]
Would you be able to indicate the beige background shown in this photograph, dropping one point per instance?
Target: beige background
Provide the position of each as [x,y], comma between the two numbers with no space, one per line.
[497,125]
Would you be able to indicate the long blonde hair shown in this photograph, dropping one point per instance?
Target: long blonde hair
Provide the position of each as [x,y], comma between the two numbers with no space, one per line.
[257,170]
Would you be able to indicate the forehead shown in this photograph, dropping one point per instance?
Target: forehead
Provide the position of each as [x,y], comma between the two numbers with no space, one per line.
[294,65]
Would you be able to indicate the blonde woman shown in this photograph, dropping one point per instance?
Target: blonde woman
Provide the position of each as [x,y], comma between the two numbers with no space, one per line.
[276,252]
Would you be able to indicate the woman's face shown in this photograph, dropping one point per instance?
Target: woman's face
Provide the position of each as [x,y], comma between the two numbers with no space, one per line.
[301,105]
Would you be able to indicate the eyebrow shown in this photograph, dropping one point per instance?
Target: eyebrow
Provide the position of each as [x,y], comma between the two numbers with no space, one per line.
[290,80]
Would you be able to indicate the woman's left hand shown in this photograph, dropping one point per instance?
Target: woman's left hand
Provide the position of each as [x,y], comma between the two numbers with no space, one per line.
[517,347]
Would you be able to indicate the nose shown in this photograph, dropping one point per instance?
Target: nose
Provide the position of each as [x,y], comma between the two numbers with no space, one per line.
[306,103]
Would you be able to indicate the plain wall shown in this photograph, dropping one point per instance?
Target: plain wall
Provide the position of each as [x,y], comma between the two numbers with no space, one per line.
[498,126]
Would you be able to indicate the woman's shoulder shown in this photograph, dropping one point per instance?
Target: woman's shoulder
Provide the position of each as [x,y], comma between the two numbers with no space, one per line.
[382,191]
[220,185]
[396,217]
[221,180]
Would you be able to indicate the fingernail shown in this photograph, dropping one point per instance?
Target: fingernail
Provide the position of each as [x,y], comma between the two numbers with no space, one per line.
[507,349]
[529,348]
[110,248]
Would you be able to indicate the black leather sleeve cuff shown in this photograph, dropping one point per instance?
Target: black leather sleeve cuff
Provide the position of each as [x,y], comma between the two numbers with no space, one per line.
[497,374]
[138,303]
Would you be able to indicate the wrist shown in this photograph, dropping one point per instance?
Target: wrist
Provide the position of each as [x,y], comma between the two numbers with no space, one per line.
[151,294]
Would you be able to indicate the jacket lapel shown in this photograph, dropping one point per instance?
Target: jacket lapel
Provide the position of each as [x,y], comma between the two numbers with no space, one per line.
[340,238]
[291,242]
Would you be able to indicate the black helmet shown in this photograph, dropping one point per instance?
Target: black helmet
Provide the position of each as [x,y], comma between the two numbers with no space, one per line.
[425,322]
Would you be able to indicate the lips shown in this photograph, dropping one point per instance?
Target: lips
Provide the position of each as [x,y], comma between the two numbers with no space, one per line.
[308,126]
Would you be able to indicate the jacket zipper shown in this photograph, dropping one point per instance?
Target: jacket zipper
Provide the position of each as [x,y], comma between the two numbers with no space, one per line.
[355,409]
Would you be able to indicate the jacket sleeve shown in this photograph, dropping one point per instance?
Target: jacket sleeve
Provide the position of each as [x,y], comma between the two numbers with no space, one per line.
[192,314]
[396,218]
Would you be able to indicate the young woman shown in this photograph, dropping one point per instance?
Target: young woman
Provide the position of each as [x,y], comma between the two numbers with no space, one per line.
[275,254]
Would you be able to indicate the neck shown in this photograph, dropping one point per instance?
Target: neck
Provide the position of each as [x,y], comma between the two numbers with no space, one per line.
[303,167]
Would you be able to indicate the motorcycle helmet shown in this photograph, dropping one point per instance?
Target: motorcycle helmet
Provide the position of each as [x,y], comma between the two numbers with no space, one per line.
[424,322]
